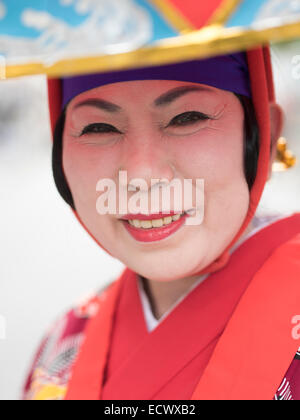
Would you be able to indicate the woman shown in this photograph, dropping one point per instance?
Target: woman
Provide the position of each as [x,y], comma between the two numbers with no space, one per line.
[201,311]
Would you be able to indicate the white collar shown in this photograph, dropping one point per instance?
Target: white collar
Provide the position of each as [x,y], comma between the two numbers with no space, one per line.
[151,321]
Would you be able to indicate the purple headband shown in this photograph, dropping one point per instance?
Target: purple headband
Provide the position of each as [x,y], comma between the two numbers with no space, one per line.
[227,72]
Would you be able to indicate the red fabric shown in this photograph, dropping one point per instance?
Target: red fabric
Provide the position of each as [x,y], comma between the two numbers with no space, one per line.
[156,365]
[89,371]
[269,73]
[198,13]
[54,100]
[253,354]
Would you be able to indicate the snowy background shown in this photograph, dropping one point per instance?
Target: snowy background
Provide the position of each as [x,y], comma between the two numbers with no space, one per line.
[47,260]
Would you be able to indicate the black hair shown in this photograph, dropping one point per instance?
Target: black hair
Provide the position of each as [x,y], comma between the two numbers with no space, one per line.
[251,140]
[251,149]
[57,161]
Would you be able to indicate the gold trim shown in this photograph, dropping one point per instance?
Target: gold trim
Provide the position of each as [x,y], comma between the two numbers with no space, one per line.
[285,159]
[223,13]
[210,41]
[173,16]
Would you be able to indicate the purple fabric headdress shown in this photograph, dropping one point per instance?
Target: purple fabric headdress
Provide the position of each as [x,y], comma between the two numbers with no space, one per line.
[227,72]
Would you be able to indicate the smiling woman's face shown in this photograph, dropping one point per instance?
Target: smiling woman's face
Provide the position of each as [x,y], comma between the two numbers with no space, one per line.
[159,130]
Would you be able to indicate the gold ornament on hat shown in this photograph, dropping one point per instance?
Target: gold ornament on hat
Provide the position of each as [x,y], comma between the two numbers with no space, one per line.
[285,159]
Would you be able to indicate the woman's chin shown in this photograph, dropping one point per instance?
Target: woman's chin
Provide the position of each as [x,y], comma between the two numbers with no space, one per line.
[166,270]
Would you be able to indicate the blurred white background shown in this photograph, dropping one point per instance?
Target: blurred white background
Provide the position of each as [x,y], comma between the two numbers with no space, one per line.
[47,260]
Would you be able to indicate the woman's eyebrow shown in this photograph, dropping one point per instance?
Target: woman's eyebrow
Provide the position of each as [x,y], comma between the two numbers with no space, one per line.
[100,104]
[163,100]
[170,96]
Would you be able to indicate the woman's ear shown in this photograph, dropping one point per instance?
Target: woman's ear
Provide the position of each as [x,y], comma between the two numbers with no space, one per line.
[277,121]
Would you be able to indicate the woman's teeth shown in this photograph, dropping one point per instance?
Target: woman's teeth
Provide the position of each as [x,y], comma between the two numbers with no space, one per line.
[149,224]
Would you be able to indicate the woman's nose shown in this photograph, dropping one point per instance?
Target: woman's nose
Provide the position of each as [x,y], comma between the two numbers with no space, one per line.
[146,159]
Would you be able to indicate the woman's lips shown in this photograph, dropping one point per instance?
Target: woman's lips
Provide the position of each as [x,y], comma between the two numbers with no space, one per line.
[148,217]
[151,234]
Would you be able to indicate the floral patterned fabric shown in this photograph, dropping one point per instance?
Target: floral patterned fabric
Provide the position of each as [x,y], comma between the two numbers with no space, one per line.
[50,373]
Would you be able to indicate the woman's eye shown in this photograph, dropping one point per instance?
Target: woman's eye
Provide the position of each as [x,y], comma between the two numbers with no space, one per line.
[188,118]
[99,128]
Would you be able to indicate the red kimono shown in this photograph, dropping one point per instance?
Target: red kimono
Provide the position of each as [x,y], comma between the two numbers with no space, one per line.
[234,336]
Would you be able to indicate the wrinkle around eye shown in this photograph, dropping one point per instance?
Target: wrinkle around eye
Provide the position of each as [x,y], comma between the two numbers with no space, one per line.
[189,129]
[95,141]
[192,112]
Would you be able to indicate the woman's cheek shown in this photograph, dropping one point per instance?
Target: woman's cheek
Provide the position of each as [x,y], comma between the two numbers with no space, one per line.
[211,155]
[84,166]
